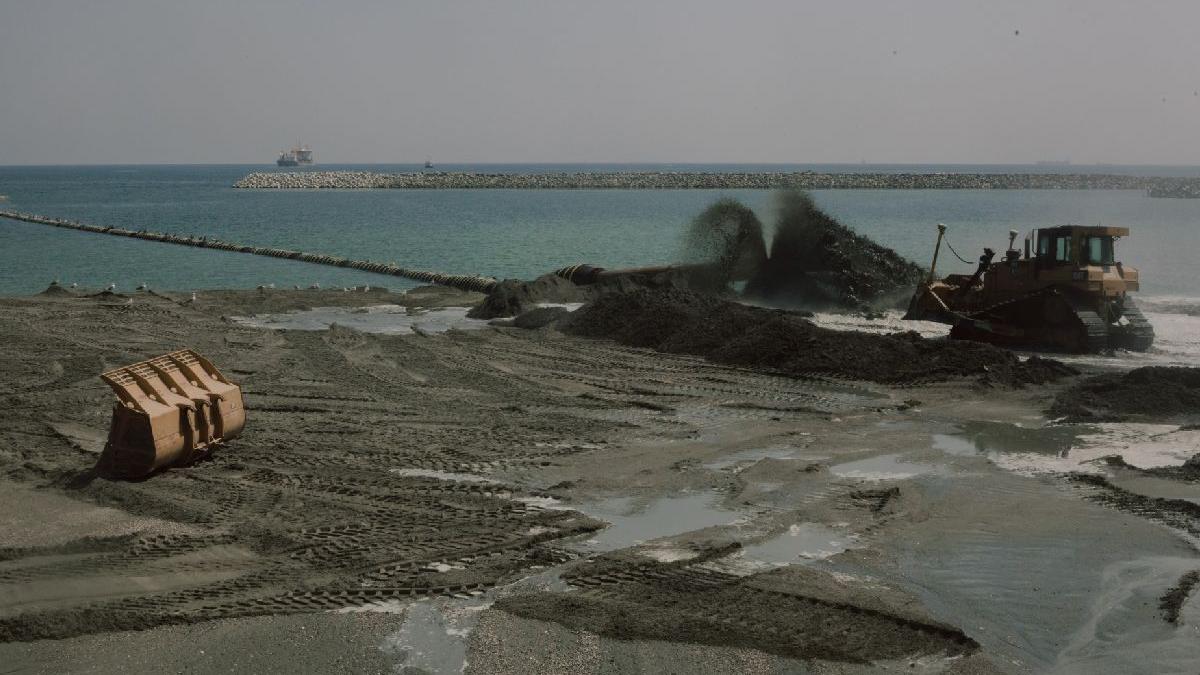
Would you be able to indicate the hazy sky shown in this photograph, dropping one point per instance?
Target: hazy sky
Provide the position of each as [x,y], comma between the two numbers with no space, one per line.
[128,81]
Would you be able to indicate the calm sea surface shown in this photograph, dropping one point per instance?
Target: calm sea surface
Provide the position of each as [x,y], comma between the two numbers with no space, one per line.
[510,233]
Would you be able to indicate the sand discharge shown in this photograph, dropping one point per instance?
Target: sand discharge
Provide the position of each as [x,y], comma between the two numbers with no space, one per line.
[814,262]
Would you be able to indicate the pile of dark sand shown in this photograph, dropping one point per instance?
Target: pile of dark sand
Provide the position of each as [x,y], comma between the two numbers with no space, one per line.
[1150,394]
[513,296]
[732,333]
[817,263]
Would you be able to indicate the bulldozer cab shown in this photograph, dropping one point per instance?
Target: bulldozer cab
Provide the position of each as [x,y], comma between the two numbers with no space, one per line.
[1075,245]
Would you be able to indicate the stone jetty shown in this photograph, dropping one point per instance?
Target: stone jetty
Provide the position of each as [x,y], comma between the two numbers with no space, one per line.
[463,282]
[683,180]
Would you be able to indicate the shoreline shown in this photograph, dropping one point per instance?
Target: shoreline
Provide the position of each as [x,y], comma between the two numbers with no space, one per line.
[1156,186]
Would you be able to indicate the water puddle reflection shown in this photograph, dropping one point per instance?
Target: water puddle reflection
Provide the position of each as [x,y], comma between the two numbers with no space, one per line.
[631,523]
[802,542]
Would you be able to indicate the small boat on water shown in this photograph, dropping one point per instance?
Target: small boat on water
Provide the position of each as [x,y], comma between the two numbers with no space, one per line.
[299,155]
[428,162]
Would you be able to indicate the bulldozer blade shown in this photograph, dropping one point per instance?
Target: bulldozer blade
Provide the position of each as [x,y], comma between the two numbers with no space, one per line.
[171,410]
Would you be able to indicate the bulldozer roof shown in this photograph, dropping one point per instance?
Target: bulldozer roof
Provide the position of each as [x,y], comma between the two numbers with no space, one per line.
[1094,230]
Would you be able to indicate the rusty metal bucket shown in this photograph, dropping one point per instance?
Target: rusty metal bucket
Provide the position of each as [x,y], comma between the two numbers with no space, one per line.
[171,410]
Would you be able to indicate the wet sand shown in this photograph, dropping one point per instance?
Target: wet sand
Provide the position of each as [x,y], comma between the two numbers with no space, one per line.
[510,500]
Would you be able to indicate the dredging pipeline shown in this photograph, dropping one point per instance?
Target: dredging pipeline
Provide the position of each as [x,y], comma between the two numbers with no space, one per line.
[462,282]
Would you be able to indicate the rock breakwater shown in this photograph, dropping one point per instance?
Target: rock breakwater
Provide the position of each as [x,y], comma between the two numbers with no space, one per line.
[696,180]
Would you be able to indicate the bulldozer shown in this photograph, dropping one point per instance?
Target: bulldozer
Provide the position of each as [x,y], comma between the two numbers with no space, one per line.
[1065,291]
[171,410]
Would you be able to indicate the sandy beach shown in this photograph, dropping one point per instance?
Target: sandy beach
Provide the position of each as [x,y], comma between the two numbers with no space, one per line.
[512,500]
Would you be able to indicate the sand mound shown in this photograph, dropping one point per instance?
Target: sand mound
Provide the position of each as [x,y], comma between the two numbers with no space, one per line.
[1153,393]
[817,262]
[732,333]
[513,296]
[55,289]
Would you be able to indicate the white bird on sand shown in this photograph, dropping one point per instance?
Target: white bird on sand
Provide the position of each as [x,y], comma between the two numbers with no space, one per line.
[297,287]
[193,296]
[315,287]
[143,287]
[74,285]
[112,288]
[366,289]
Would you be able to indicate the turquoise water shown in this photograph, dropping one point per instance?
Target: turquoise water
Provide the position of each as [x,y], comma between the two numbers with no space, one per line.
[507,233]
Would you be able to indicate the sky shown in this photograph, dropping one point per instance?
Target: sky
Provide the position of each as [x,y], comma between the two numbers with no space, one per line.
[788,81]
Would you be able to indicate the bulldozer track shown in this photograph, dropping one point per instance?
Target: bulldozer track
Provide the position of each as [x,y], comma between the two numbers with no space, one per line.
[1093,336]
[1138,336]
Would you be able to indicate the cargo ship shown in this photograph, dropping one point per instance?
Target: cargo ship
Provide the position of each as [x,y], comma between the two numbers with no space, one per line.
[301,155]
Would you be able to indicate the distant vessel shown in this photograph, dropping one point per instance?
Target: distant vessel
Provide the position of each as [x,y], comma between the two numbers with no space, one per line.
[301,154]
[428,162]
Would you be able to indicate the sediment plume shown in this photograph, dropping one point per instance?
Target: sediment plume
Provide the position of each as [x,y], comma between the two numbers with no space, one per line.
[731,333]
[1149,394]
[818,263]
[728,237]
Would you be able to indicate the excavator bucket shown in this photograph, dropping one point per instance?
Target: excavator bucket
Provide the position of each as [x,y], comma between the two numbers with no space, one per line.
[171,410]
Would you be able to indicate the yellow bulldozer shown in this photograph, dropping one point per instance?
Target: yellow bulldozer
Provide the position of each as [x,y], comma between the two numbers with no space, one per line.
[171,410]
[1065,291]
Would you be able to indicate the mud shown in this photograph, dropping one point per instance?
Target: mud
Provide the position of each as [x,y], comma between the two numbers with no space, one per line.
[1172,601]
[736,334]
[513,296]
[790,612]
[379,473]
[1149,394]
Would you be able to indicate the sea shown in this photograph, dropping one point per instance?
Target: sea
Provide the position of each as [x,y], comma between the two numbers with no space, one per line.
[526,233]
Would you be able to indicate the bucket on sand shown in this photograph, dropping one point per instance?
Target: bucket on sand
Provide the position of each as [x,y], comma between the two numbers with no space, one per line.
[171,410]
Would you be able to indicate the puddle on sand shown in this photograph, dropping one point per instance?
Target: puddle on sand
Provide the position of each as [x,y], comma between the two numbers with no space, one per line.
[799,543]
[443,475]
[1068,586]
[630,524]
[737,460]
[1142,445]
[384,319]
[433,636]
[883,467]
[984,438]
[1153,486]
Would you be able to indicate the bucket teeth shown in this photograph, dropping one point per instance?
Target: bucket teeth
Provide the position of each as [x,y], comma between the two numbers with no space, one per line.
[171,410]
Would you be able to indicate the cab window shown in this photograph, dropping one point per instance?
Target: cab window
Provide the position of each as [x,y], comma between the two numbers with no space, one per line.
[1100,250]
[1062,249]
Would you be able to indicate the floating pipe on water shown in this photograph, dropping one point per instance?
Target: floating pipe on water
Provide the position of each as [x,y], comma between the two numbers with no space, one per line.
[463,282]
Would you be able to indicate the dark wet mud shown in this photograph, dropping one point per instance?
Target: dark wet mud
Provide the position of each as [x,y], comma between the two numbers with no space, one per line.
[1149,394]
[731,333]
